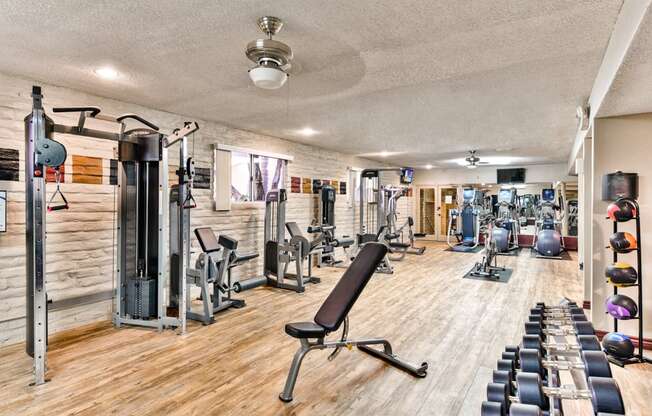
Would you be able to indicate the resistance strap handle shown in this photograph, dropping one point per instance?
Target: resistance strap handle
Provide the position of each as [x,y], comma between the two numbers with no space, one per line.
[50,207]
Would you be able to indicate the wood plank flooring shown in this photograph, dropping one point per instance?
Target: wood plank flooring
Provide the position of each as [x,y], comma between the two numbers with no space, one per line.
[238,365]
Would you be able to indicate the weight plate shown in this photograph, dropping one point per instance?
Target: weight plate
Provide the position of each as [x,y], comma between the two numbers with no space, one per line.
[606,395]
[596,364]
[530,390]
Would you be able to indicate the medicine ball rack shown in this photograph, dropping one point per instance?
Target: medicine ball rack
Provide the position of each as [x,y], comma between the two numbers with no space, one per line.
[637,358]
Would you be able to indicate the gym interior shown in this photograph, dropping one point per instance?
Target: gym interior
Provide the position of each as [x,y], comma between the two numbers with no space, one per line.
[325,208]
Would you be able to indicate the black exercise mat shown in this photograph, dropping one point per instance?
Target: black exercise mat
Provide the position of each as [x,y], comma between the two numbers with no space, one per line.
[514,252]
[464,249]
[565,256]
[504,276]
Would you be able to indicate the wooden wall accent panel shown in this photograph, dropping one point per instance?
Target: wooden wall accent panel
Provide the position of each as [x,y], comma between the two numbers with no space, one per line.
[202,178]
[9,165]
[86,169]
[306,185]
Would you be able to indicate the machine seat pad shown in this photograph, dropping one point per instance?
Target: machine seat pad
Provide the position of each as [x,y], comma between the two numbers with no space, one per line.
[397,244]
[237,258]
[305,330]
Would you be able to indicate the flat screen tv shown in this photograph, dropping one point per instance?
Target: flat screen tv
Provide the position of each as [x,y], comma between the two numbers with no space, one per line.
[514,175]
[407,175]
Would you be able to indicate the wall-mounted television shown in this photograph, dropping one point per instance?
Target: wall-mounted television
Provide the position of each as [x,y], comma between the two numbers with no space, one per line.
[407,175]
[514,175]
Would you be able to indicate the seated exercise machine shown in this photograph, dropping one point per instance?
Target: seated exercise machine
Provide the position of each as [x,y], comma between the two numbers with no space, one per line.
[213,268]
[488,267]
[325,228]
[334,312]
[548,241]
[505,234]
[279,253]
[143,279]
[464,222]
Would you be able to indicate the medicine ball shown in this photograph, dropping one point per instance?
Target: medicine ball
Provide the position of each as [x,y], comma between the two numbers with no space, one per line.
[621,307]
[618,345]
[621,274]
[621,210]
[622,242]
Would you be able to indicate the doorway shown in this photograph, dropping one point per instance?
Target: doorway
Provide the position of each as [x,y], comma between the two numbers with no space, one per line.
[447,201]
[426,217]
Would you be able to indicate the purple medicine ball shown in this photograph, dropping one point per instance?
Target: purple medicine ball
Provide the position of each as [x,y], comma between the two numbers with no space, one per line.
[621,307]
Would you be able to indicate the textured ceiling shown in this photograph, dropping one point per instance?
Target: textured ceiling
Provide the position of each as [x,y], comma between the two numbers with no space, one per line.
[423,80]
[631,91]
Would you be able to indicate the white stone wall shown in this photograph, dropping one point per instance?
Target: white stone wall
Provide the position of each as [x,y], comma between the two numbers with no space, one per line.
[80,241]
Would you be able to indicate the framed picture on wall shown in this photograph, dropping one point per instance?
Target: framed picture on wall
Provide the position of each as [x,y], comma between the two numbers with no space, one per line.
[3,211]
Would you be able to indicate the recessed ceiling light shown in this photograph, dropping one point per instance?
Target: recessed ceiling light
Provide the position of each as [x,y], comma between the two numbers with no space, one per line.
[307,131]
[106,72]
[428,167]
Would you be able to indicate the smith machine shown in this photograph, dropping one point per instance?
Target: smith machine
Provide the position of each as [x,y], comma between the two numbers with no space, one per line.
[143,280]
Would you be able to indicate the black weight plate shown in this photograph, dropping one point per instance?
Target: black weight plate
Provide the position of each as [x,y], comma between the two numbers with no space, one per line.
[533,328]
[510,356]
[498,392]
[504,377]
[589,343]
[530,390]
[584,328]
[531,361]
[606,395]
[492,409]
[579,317]
[532,342]
[535,318]
[596,364]
[506,365]
[520,409]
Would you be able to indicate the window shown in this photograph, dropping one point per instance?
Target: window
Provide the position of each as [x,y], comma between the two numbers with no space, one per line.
[240,177]
[252,176]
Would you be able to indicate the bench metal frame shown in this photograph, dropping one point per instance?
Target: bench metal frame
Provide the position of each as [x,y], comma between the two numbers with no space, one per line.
[364,345]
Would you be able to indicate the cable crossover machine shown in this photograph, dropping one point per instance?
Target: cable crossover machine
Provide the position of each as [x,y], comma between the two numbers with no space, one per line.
[144,290]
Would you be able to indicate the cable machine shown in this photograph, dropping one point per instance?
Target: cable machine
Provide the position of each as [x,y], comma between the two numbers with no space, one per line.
[142,174]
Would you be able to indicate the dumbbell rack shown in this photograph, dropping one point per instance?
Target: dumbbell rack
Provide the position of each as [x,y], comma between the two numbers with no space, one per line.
[639,357]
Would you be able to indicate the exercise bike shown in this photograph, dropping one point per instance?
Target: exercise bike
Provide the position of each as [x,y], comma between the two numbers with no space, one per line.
[488,267]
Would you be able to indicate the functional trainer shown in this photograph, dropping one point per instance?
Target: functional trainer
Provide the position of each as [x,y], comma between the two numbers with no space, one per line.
[334,312]
[142,204]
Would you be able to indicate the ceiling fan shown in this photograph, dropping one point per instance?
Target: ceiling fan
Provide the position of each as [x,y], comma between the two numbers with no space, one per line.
[473,161]
[272,58]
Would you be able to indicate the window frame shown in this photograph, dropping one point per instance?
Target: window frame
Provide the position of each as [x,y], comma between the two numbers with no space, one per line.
[252,153]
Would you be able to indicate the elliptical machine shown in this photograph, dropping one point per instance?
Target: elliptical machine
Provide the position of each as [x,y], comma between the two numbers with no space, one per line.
[505,234]
[464,223]
[488,267]
[548,240]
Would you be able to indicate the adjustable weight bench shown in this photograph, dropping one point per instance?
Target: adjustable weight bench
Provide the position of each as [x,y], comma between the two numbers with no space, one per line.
[334,312]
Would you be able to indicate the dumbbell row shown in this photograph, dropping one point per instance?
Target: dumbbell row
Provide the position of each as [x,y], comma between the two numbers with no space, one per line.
[522,365]
[603,393]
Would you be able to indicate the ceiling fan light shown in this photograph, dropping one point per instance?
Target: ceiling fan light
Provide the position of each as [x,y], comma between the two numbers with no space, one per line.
[268,77]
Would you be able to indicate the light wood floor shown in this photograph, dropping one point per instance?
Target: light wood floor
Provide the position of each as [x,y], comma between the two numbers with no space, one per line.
[238,365]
